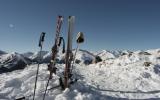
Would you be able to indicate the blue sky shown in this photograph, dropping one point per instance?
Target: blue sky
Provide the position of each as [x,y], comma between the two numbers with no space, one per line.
[107,24]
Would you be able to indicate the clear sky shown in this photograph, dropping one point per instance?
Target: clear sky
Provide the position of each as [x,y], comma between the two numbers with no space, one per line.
[107,24]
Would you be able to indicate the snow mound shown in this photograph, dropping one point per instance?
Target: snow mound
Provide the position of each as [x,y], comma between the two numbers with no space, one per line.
[104,54]
[85,57]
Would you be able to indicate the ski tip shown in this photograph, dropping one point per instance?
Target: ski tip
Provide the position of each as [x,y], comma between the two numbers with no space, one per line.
[71,17]
[59,16]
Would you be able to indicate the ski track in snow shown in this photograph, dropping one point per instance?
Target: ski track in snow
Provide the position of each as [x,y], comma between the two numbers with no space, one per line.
[115,78]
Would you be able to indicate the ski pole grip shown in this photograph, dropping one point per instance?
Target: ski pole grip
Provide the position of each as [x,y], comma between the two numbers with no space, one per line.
[41,39]
[43,35]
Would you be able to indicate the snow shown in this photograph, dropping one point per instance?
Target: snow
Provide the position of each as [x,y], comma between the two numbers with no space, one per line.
[84,56]
[121,75]
[104,54]
[36,55]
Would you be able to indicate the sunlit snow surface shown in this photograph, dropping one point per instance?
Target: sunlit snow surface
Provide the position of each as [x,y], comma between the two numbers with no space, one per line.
[118,77]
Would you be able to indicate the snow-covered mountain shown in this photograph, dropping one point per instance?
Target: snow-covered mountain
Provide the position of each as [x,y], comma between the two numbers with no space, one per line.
[2,52]
[82,55]
[121,75]
[46,58]
[12,61]
[105,54]
[36,55]
[28,54]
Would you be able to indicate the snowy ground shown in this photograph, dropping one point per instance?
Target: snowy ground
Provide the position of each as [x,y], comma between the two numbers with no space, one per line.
[116,78]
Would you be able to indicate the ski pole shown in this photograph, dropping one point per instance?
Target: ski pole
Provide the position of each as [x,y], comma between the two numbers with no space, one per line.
[41,40]
[79,40]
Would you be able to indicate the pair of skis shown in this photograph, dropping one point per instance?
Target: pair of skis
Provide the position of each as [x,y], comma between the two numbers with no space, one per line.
[51,67]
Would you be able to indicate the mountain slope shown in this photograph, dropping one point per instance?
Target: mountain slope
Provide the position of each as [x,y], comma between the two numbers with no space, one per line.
[28,54]
[36,55]
[2,52]
[12,61]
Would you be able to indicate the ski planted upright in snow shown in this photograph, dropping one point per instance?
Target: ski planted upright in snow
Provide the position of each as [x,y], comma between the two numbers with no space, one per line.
[69,55]
[51,67]
[55,48]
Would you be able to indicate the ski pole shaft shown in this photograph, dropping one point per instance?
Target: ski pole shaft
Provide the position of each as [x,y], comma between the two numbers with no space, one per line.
[74,58]
[79,39]
[46,90]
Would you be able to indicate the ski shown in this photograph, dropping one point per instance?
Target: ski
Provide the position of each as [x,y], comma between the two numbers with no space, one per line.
[79,40]
[69,55]
[55,48]
[51,67]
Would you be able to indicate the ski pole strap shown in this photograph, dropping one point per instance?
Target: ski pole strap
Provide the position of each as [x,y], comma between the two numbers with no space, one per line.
[60,40]
[41,39]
